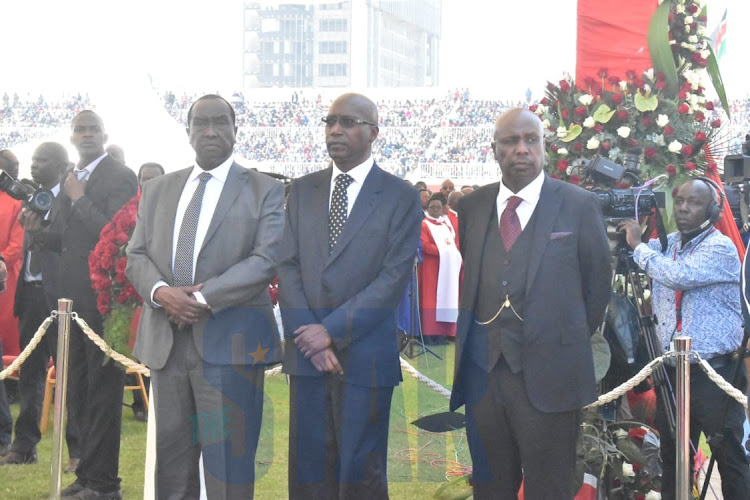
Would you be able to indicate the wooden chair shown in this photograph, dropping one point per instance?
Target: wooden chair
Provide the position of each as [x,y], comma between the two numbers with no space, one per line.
[49,390]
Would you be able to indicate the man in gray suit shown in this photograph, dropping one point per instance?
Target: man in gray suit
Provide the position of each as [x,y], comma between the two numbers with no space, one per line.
[202,255]
[350,240]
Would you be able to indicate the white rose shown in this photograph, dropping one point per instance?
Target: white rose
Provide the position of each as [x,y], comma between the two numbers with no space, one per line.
[545,124]
[688,19]
[627,470]
[623,132]
[646,88]
[693,39]
[705,54]
[562,132]
[679,9]
[541,109]
[693,99]
[675,146]
[649,73]
[593,143]
[562,151]
[701,30]
[653,495]
[662,120]
[589,122]
[687,28]
[586,99]
[659,140]
[623,85]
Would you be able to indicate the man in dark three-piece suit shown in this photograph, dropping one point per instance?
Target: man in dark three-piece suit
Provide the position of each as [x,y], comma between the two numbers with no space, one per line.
[536,283]
[349,245]
[91,195]
[202,255]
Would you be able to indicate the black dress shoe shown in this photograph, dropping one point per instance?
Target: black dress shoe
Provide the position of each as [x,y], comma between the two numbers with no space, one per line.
[140,416]
[89,494]
[13,458]
[4,449]
[72,490]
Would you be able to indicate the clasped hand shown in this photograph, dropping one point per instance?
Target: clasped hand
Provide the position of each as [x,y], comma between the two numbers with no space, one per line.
[315,343]
[181,305]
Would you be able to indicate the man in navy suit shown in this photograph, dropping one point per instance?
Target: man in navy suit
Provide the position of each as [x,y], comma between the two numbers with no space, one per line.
[349,244]
[536,284]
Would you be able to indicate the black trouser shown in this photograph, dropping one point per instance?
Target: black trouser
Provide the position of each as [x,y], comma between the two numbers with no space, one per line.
[34,372]
[707,404]
[95,389]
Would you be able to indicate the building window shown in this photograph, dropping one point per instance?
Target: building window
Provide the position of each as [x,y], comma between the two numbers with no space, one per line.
[332,69]
[333,25]
[338,47]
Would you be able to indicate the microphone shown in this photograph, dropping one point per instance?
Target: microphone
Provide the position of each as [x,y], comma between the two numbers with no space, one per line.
[633,160]
[696,231]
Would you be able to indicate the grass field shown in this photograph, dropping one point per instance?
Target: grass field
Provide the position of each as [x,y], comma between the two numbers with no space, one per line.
[418,462]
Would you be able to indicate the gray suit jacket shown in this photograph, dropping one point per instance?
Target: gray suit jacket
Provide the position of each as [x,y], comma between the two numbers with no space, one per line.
[236,264]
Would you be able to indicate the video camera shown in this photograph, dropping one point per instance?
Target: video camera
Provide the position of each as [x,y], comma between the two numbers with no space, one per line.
[38,200]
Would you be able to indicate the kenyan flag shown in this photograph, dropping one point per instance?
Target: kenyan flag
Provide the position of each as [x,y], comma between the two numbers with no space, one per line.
[719,38]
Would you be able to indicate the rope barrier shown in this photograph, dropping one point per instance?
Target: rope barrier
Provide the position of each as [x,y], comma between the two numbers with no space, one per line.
[629,384]
[423,379]
[16,364]
[725,386]
[107,350]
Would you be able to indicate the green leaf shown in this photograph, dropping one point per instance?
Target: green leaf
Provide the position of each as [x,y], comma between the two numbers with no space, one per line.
[643,103]
[603,113]
[658,46]
[712,68]
[573,132]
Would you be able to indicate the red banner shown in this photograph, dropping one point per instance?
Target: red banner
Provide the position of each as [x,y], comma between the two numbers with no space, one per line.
[612,34]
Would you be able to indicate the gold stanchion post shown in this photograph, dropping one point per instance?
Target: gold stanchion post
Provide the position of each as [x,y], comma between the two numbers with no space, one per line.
[64,313]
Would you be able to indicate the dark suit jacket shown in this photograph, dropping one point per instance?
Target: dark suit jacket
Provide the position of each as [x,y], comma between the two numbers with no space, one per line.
[236,264]
[76,233]
[355,290]
[567,290]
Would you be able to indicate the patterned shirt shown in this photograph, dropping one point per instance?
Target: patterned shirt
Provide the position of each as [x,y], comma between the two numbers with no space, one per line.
[707,271]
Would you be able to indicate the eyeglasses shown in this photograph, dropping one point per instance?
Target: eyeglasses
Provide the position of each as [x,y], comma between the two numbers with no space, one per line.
[344,121]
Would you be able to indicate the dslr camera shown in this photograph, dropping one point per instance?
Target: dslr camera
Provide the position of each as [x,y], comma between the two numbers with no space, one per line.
[38,200]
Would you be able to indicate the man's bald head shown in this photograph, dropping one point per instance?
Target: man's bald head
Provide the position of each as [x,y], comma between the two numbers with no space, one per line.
[363,104]
[9,163]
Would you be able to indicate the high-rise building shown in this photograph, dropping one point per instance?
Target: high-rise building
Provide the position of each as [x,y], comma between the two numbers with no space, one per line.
[357,43]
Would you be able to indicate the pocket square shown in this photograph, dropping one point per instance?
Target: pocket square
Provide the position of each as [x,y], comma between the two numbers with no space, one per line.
[557,236]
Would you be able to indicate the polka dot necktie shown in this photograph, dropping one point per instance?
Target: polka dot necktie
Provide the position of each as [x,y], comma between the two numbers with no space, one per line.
[510,225]
[339,206]
[183,256]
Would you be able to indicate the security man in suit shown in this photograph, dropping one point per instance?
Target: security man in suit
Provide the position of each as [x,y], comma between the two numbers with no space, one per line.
[349,244]
[536,284]
[202,254]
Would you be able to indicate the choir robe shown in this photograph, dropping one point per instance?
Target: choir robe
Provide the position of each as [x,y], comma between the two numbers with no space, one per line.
[428,282]
[11,248]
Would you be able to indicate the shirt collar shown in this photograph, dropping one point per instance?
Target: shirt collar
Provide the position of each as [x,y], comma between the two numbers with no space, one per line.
[56,189]
[220,173]
[91,166]
[358,173]
[529,194]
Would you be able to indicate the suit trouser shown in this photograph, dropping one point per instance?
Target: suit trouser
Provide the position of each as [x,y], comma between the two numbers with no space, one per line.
[34,371]
[216,409]
[6,419]
[95,391]
[506,433]
[707,403]
[338,439]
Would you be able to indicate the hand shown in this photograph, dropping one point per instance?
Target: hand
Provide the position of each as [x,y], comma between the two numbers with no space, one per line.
[326,361]
[180,304]
[3,275]
[632,230]
[30,221]
[73,187]
[311,339]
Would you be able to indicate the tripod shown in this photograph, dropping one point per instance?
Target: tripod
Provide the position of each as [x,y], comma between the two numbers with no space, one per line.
[414,341]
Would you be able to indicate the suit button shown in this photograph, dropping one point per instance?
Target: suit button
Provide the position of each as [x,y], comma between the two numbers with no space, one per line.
[506,262]
[505,283]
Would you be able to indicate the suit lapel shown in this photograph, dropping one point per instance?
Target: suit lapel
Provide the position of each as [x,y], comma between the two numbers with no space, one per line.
[363,208]
[477,234]
[548,209]
[319,205]
[236,179]
[98,172]
[165,217]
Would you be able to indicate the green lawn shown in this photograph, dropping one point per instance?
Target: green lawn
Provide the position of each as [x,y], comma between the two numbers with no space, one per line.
[418,461]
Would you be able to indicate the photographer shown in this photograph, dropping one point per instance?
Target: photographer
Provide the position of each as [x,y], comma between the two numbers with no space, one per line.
[695,286]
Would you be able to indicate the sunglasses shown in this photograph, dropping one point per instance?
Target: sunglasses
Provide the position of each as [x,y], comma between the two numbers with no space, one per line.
[344,121]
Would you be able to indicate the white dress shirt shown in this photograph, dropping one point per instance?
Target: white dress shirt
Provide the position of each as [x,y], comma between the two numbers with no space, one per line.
[359,174]
[530,196]
[211,195]
[85,172]
[27,276]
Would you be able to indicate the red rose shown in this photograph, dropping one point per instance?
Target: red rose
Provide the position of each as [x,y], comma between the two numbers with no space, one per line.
[633,143]
[692,8]
[562,165]
[700,90]
[682,95]
[614,80]
[709,105]
[650,153]
[660,76]
[668,130]
[580,110]
[131,292]
[686,87]
[687,150]
[121,298]
[660,85]
[699,116]
[574,179]
[589,81]
[102,303]
[533,108]
[554,148]
[646,121]
[616,99]
[630,74]
[106,261]
[550,85]
[716,123]
[564,85]
[565,114]
[671,170]
[605,146]
[683,108]
[544,101]
[93,261]
[598,128]
[121,238]
[578,147]
[622,115]
[689,165]
[602,73]
[700,136]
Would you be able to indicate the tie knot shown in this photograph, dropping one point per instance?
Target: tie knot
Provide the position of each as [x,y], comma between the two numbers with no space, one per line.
[204,177]
[513,202]
[344,180]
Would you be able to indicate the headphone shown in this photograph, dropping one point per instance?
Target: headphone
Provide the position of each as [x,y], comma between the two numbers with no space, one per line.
[714,208]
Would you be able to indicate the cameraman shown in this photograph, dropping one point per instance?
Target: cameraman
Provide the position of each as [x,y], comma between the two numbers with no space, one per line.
[695,290]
